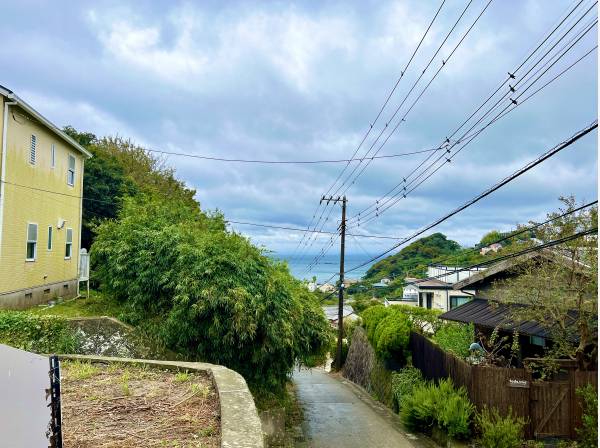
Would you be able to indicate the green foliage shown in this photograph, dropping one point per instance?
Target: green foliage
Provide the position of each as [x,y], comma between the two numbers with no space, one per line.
[455,338]
[40,334]
[414,258]
[207,293]
[404,382]
[588,433]
[441,405]
[388,330]
[371,318]
[499,432]
[490,237]
[390,339]
[421,319]
[97,304]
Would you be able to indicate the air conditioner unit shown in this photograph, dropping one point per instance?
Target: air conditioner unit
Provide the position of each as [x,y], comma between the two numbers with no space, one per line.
[60,224]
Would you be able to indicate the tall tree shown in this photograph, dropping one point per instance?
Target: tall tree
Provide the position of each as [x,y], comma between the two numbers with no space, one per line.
[559,288]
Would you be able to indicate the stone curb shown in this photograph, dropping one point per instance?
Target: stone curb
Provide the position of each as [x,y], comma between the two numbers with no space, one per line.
[240,424]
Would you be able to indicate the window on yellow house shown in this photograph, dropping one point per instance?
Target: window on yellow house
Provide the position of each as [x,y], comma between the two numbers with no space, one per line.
[71,171]
[49,237]
[32,149]
[31,251]
[69,243]
[52,156]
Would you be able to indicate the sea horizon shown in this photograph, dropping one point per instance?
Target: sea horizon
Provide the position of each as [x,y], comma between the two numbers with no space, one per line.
[328,266]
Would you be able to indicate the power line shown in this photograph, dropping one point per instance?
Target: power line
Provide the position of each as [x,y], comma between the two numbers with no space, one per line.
[466,139]
[539,247]
[371,125]
[490,190]
[295,229]
[418,97]
[461,139]
[259,161]
[511,235]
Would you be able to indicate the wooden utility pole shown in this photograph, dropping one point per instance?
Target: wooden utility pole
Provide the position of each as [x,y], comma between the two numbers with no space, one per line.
[338,357]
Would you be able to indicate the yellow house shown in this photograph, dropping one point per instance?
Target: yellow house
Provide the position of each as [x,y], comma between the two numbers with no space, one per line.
[41,189]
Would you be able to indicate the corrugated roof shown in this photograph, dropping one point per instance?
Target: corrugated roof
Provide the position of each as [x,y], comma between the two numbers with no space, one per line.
[491,314]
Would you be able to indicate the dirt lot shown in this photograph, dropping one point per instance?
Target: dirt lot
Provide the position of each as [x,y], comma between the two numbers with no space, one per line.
[118,405]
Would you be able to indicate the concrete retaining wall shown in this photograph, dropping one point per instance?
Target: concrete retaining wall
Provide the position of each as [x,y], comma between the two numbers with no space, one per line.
[240,424]
[26,298]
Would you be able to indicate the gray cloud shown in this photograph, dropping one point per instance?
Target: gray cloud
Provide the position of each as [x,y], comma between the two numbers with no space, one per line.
[303,81]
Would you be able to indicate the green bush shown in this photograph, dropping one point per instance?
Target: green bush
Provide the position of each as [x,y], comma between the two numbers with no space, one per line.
[499,432]
[371,318]
[208,293]
[588,433]
[390,339]
[404,382]
[455,338]
[421,319]
[439,405]
[40,334]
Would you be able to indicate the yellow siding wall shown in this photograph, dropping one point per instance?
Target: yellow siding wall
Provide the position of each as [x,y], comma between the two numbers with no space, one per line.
[23,205]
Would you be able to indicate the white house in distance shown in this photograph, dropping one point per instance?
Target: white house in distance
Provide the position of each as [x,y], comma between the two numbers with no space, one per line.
[326,287]
[436,291]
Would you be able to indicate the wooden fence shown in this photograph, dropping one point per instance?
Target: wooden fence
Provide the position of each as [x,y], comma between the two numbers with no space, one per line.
[551,408]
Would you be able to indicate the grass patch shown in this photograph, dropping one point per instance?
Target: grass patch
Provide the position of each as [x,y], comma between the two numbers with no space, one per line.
[181,377]
[80,370]
[96,305]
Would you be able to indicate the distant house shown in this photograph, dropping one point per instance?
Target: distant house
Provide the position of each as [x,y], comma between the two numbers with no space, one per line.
[491,248]
[326,287]
[451,274]
[436,294]
[349,282]
[331,312]
[482,282]
[380,284]
[385,281]
[311,286]
[41,189]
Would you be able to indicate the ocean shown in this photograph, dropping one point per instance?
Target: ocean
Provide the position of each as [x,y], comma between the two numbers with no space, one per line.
[328,266]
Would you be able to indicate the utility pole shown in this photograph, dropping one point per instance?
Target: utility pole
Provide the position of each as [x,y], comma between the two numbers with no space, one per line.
[338,357]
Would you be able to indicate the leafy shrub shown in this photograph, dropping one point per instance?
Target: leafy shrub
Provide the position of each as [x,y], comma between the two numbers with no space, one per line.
[455,338]
[207,293]
[404,382]
[391,336]
[500,432]
[441,405]
[421,319]
[371,318]
[588,433]
[40,334]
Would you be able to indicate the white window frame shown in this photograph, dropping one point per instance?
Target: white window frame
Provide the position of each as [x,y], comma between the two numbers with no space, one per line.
[71,182]
[50,236]
[68,243]
[28,241]
[52,155]
[32,149]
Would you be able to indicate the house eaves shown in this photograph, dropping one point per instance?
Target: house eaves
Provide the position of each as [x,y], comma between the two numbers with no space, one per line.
[11,96]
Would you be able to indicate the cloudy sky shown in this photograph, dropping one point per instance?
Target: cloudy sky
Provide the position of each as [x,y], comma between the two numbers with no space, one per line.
[303,81]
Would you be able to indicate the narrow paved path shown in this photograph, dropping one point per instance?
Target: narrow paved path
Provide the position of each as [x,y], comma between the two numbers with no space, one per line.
[338,414]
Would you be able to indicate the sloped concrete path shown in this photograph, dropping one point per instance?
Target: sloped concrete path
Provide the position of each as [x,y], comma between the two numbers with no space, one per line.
[339,414]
